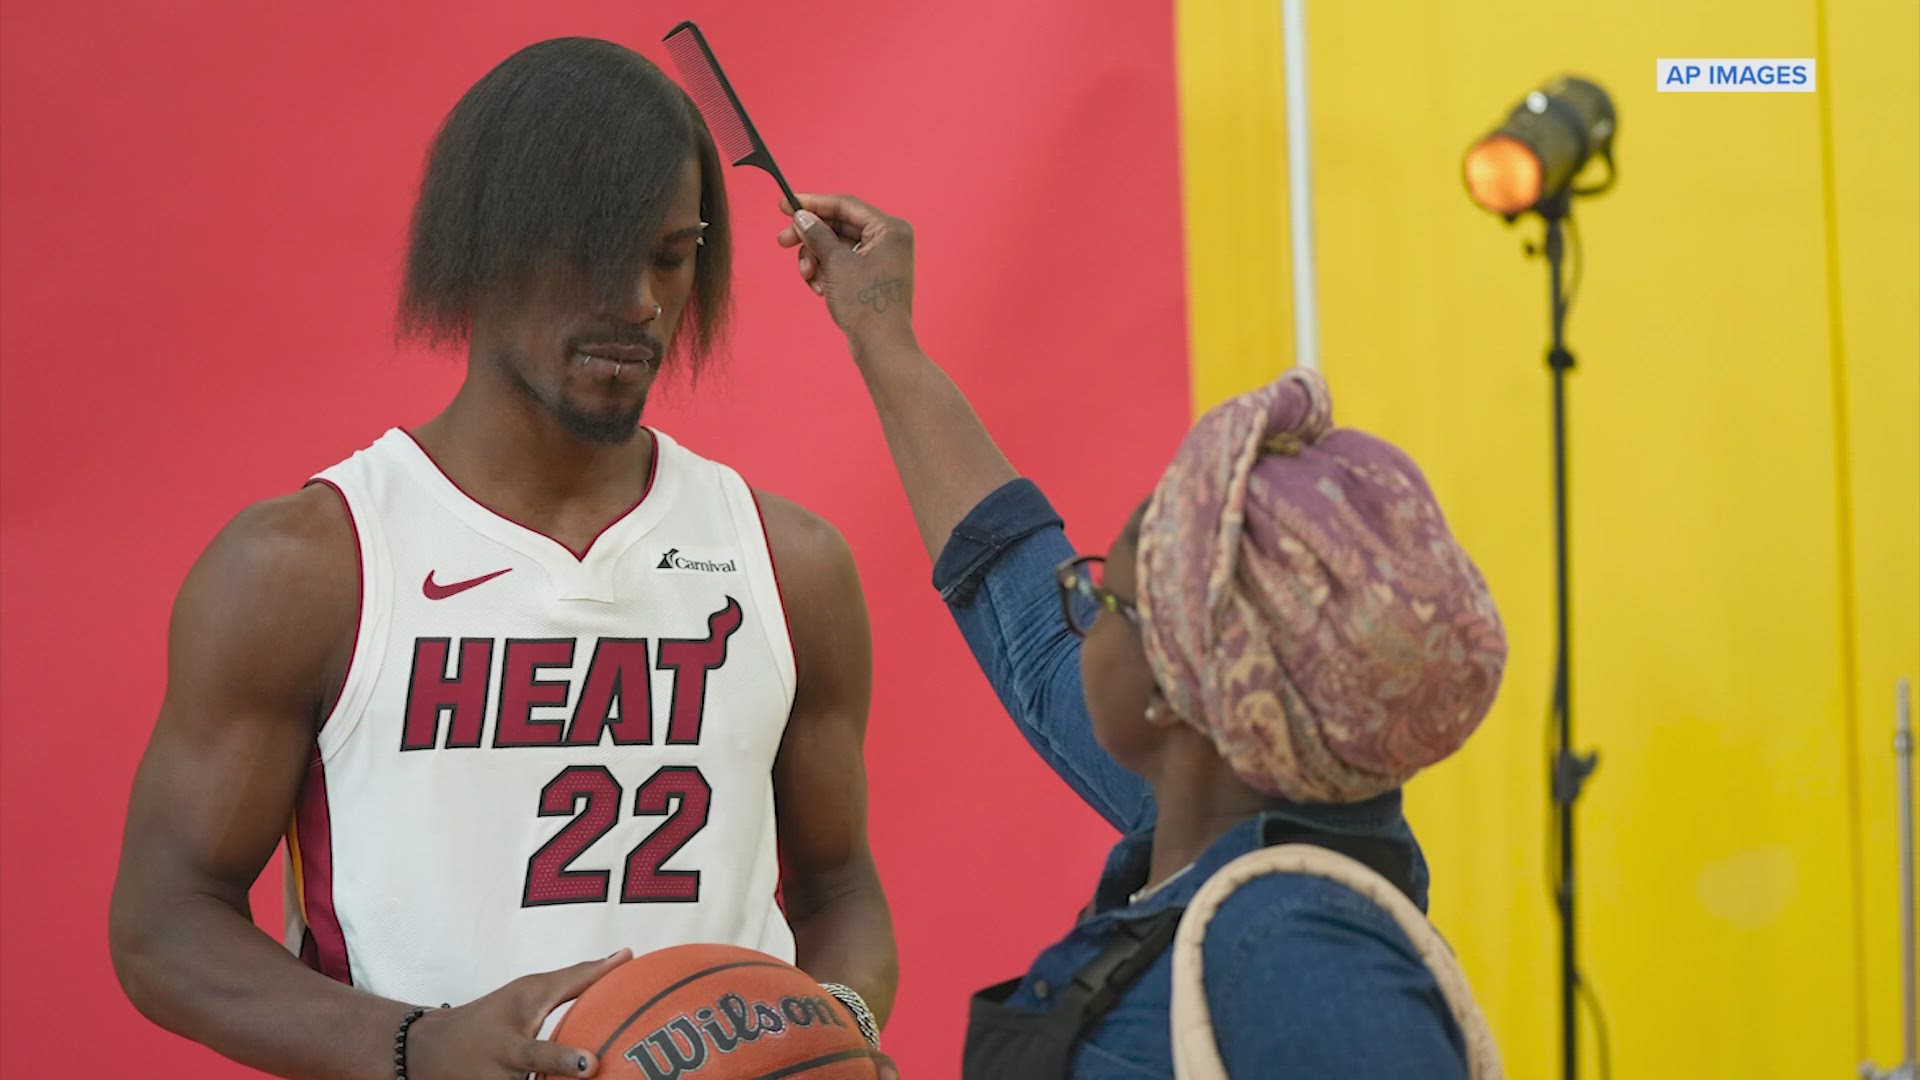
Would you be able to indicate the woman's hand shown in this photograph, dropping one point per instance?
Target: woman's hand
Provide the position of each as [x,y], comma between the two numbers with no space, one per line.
[861,261]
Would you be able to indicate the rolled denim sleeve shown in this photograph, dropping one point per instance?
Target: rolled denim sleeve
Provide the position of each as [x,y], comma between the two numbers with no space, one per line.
[996,576]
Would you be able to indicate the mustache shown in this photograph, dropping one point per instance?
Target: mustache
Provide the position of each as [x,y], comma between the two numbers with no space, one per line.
[618,336]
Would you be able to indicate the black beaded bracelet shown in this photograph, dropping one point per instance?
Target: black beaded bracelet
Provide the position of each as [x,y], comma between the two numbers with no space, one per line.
[400,1041]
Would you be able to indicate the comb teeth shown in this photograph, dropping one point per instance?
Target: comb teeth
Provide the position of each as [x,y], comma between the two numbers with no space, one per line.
[700,74]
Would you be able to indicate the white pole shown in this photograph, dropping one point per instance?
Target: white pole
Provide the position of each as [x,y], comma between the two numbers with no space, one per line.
[1306,322]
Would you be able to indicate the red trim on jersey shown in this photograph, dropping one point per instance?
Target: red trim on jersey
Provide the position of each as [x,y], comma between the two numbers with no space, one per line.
[325,947]
[780,856]
[785,615]
[359,601]
[653,470]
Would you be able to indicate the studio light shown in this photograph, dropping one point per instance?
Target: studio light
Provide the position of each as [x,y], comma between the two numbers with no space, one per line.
[1549,137]
[1528,165]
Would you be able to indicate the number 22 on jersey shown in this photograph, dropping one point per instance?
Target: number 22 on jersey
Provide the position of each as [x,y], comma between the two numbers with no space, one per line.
[615,699]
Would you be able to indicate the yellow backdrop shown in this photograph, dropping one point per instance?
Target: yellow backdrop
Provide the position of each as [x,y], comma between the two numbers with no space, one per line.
[1746,480]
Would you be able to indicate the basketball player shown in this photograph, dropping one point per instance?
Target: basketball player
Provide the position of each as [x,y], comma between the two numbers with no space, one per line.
[519,686]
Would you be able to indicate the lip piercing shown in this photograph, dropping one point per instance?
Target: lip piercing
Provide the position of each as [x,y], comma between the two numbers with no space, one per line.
[701,241]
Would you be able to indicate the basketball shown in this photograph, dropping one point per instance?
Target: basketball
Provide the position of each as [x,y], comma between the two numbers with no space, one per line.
[715,1012]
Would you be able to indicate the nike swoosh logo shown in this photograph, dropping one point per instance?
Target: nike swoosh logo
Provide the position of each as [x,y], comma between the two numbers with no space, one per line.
[436,591]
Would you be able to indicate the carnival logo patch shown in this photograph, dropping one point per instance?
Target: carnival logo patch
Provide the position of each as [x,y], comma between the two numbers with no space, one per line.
[675,559]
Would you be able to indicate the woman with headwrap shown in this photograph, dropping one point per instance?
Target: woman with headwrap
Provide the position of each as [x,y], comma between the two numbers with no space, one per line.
[1282,635]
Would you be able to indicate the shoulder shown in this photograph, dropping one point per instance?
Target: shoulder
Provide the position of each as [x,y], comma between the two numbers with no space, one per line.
[1304,971]
[1302,916]
[810,554]
[1282,900]
[820,589]
[800,538]
[300,545]
[276,590]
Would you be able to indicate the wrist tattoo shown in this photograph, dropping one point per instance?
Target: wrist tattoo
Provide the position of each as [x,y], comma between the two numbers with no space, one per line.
[883,293]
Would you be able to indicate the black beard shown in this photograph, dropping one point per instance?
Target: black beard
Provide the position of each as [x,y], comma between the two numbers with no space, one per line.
[605,428]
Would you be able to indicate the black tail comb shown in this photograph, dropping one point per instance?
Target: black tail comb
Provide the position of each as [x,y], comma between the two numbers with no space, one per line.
[704,81]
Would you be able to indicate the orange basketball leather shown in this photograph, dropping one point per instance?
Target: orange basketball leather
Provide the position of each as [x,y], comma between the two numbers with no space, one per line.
[715,1012]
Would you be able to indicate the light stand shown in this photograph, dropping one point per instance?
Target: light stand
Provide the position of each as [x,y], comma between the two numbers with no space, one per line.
[1569,770]
[1529,164]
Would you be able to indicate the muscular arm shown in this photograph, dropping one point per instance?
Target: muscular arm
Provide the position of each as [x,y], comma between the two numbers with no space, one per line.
[842,930]
[260,636]
[946,459]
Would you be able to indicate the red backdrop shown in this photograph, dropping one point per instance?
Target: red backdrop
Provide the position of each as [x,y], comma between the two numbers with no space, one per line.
[204,211]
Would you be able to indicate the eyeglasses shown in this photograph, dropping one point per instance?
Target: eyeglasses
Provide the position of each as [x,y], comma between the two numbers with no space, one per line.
[1080,579]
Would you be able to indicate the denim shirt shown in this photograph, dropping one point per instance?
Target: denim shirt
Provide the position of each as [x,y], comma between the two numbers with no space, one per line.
[1304,977]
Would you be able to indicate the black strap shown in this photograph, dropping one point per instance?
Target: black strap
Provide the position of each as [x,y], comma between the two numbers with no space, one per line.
[1134,946]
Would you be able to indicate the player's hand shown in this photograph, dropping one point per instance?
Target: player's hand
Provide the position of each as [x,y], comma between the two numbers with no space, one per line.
[493,1038]
[888,1070]
[860,260]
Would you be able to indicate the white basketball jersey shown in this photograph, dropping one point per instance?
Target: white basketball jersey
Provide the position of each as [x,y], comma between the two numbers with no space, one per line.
[541,756]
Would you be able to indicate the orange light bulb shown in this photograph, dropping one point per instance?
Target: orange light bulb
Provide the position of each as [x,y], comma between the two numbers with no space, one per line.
[1503,175]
